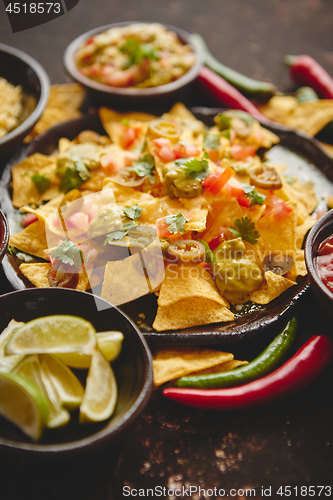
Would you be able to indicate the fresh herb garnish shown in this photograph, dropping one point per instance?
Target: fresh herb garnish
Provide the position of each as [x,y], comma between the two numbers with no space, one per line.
[120,233]
[245,229]
[211,141]
[144,167]
[41,182]
[137,51]
[133,212]
[176,223]
[195,168]
[74,176]
[209,256]
[256,198]
[68,253]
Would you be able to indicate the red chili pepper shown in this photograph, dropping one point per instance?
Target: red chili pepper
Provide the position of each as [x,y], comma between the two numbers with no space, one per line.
[227,94]
[308,72]
[299,371]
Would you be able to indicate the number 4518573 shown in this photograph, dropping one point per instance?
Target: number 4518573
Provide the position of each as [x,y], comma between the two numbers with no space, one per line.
[34,8]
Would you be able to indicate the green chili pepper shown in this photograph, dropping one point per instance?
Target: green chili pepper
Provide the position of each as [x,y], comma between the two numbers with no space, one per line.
[260,366]
[246,85]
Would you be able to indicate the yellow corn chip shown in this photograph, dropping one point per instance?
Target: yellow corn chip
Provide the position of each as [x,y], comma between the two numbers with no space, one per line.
[37,274]
[31,239]
[275,285]
[24,189]
[169,364]
[223,367]
[190,312]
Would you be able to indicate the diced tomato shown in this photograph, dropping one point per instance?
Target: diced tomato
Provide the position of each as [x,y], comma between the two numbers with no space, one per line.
[162,141]
[28,219]
[166,154]
[223,234]
[217,180]
[78,220]
[276,208]
[162,229]
[213,154]
[89,41]
[236,190]
[241,153]
[109,164]
[185,150]
[129,136]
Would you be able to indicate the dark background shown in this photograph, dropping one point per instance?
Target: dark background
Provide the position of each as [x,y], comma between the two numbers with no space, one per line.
[285,444]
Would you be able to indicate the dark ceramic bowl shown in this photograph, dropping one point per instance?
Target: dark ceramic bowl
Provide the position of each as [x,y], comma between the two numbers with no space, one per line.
[4,235]
[133,371]
[20,69]
[322,229]
[131,98]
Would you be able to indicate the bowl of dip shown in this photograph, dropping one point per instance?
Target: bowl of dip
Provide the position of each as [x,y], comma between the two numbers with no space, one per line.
[24,87]
[319,260]
[133,64]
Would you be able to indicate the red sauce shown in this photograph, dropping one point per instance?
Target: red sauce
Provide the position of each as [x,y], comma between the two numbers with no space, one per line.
[325,263]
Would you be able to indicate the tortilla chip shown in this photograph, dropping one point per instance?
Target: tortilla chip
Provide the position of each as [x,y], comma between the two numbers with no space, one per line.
[113,123]
[24,190]
[169,364]
[300,263]
[64,103]
[190,312]
[31,240]
[311,117]
[186,282]
[301,194]
[223,367]
[44,211]
[37,274]
[275,285]
[302,229]
[277,237]
[126,280]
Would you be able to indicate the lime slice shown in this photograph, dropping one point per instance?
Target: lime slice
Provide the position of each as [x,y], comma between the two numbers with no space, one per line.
[7,363]
[30,370]
[100,394]
[23,403]
[109,343]
[51,334]
[63,381]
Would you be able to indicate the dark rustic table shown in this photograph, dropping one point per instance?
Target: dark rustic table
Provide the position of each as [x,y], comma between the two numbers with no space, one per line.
[247,453]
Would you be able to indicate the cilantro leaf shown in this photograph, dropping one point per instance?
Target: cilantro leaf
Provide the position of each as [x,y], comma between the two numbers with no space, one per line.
[176,223]
[133,212]
[211,141]
[68,253]
[245,229]
[74,176]
[257,198]
[195,168]
[209,256]
[137,51]
[41,182]
[120,233]
[144,167]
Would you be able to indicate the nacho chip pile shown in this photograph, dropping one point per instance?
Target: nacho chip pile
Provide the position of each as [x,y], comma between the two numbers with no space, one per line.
[113,214]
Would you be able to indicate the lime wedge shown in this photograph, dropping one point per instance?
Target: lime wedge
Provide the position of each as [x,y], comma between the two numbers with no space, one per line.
[100,394]
[63,381]
[30,370]
[23,403]
[7,363]
[109,344]
[51,334]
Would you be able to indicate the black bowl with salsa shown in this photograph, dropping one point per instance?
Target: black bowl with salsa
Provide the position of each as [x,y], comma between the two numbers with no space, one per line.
[319,260]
